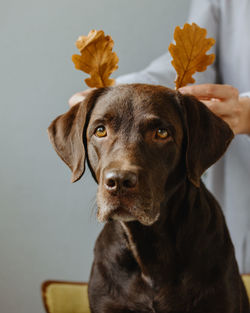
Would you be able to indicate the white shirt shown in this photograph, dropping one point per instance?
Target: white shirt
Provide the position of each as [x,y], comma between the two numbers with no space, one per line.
[228,21]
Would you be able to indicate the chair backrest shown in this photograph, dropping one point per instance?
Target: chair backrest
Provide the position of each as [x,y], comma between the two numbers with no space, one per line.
[246,280]
[65,297]
[72,297]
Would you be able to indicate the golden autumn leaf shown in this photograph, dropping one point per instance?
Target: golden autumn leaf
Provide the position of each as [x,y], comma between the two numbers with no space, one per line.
[96,59]
[189,53]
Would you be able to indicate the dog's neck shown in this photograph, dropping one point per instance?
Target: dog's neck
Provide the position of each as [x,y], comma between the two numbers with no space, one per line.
[163,244]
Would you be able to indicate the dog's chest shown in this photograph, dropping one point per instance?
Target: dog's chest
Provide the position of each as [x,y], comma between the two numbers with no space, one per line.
[162,296]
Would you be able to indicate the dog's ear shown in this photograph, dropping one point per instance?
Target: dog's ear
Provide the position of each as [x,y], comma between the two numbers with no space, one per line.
[66,134]
[208,137]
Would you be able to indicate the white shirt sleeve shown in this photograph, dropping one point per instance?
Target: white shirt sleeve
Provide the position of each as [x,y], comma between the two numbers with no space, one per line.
[159,72]
[245,94]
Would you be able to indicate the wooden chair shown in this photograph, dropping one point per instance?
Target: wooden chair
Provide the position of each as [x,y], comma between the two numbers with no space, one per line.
[72,297]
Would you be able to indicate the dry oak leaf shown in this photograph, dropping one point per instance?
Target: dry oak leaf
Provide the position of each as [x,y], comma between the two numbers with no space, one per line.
[189,53]
[96,59]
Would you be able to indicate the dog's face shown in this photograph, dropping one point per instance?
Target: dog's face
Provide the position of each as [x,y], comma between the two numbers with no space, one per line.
[134,142]
[140,141]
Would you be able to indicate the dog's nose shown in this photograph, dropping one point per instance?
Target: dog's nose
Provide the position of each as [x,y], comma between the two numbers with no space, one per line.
[120,180]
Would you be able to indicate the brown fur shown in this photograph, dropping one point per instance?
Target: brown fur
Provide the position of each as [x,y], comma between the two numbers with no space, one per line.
[165,246]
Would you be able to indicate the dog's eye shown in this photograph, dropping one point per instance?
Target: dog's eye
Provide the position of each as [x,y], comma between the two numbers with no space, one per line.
[161,133]
[100,131]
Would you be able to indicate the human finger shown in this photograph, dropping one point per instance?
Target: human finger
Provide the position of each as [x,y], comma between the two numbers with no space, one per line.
[208,91]
[78,97]
[218,107]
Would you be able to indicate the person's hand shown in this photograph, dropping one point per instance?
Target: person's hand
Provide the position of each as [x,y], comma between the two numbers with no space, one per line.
[224,101]
[79,97]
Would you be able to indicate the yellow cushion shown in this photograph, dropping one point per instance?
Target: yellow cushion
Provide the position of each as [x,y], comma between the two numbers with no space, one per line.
[69,297]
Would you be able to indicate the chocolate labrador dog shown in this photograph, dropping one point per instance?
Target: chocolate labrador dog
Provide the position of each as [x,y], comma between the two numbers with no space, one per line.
[165,246]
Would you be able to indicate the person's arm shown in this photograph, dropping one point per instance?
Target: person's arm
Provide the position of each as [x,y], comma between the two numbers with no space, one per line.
[159,72]
[223,100]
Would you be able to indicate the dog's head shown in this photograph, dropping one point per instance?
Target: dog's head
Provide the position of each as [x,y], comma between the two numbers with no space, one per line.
[140,141]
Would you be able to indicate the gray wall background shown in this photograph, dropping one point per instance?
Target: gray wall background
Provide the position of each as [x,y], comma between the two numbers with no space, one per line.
[47,225]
